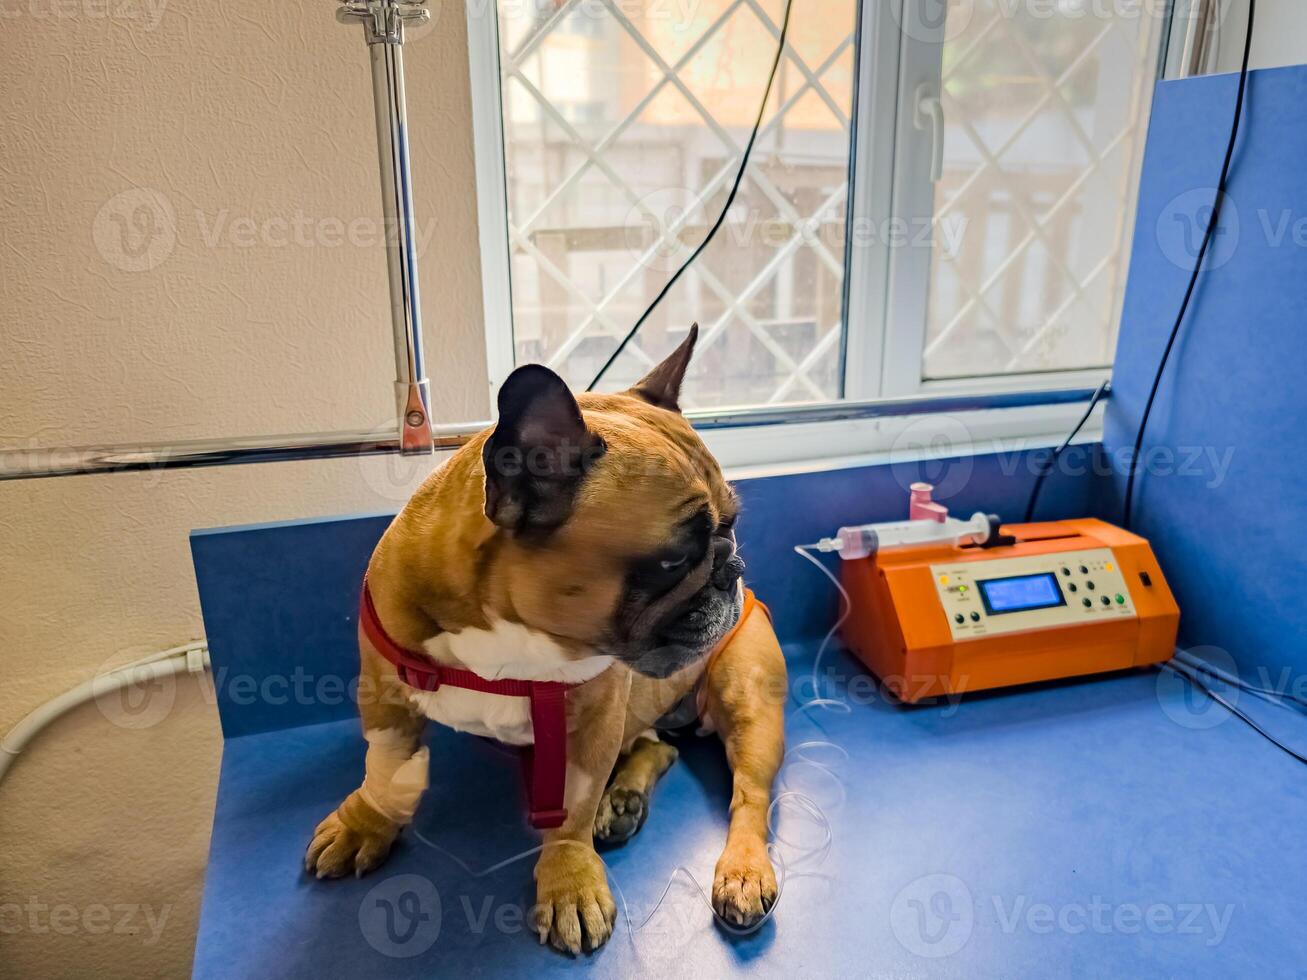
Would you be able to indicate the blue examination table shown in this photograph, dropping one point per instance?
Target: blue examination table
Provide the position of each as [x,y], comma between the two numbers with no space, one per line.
[1118,826]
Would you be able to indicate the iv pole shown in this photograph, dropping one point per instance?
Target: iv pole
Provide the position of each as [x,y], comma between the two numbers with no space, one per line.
[383,23]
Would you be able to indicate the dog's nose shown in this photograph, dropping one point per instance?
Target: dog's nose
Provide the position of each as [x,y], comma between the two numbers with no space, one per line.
[727,566]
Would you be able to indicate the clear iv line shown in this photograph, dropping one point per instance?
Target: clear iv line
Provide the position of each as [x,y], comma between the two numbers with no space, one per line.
[799,800]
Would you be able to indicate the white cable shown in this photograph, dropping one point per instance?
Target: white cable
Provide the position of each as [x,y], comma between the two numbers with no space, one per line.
[192,657]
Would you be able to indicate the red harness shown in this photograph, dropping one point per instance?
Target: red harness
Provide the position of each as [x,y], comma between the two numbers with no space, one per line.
[544,764]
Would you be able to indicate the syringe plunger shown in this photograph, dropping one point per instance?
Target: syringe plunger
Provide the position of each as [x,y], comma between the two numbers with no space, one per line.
[868,539]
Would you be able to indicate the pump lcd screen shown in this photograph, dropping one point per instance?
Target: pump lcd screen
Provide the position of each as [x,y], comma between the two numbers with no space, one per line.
[1020,594]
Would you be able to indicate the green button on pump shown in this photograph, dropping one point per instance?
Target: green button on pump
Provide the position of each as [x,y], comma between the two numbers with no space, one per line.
[1120,599]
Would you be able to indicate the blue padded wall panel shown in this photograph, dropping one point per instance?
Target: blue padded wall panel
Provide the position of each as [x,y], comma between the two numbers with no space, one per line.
[280,605]
[280,600]
[1224,496]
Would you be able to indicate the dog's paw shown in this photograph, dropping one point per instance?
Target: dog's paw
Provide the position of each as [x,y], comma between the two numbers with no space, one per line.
[338,849]
[574,909]
[621,813]
[744,884]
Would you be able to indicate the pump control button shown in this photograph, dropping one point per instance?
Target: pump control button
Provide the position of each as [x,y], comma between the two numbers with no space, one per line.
[959,619]
[1120,599]
[1090,585]
[1084,570]
[1072,586]
[975,617]
[1088,602]
[1106,601]
[1066,571]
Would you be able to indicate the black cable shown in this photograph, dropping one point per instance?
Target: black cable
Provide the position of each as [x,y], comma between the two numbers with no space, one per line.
[1047,468]
[1208,236]
[1282,698]
[1246,719]
[721,219]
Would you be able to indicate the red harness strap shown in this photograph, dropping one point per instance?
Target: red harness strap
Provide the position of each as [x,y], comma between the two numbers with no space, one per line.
[545,763]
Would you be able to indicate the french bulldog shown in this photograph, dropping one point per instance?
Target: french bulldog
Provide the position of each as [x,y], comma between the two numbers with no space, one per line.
[588,540]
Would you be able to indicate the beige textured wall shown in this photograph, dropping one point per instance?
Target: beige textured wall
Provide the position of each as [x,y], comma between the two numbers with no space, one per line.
[189,247]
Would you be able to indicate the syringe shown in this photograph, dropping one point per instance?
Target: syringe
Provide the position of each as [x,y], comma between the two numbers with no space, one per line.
[861,542]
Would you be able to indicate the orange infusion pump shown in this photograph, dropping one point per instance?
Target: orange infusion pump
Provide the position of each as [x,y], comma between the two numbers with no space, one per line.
[1050,600]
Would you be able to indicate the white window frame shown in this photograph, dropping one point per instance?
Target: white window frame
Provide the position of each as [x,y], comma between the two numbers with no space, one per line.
[883,285]
[1188,50]
[908,282]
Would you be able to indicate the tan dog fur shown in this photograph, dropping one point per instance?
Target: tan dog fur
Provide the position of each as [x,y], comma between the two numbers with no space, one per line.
[442,566]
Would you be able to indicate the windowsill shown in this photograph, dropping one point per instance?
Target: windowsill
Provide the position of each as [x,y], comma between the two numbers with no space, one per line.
[814,447]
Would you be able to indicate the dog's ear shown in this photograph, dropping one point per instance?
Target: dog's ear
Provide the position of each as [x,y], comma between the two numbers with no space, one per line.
[662,385]
[539,452]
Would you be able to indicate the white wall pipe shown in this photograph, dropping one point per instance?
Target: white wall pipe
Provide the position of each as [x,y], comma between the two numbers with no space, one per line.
[190,658]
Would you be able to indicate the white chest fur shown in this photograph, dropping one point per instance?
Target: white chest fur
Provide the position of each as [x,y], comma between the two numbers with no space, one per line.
[505,651]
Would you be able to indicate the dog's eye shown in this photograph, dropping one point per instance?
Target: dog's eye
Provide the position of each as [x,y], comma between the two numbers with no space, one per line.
[726,525]
[671,564]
